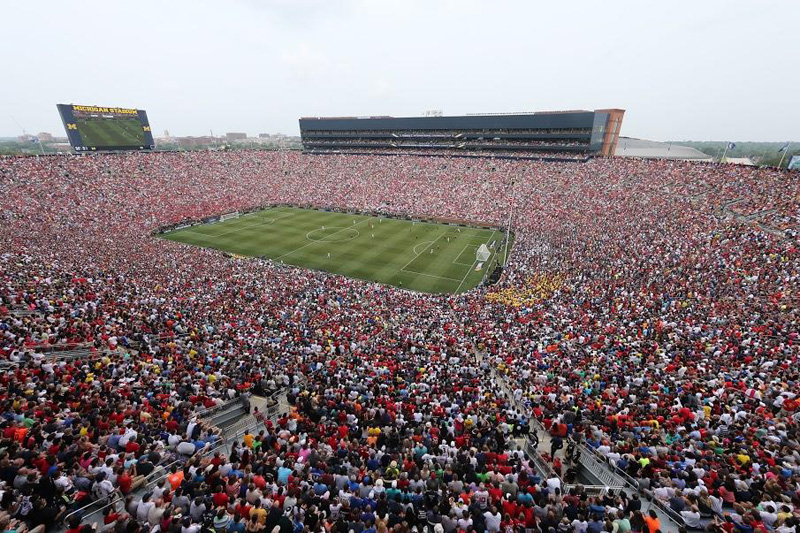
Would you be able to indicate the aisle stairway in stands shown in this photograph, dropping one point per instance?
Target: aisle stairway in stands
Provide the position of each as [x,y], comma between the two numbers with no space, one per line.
[595,474]
[232,415]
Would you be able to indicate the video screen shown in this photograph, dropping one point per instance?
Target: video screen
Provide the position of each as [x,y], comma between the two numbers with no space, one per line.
[92,128]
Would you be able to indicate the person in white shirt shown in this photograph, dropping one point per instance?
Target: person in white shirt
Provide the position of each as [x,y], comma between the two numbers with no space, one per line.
[663,493]
[143,509]
[493,519]
[691,517]
[481,496]
[126,437]
[579,526]
[173,440]
[769,516]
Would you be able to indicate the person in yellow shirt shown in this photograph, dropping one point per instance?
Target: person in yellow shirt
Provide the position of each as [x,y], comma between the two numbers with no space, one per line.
[248,439]
[259,512]
[743,458]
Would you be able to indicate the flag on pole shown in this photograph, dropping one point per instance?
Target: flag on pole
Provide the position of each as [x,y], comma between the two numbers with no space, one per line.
[784,147]
[731,146]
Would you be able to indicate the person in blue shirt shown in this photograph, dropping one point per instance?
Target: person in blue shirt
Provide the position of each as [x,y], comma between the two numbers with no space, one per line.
[597,510]
[595,525]
[320,488]
[237,525]
[283,474]
[368,526]
[356,502]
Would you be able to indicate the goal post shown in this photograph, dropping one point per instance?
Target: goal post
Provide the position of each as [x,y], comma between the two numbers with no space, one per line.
[483,254]
[228,216]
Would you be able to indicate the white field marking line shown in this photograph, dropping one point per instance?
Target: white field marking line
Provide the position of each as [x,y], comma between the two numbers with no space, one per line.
[461,252]
[423,250]
[356,236]
[187,230]
[423,242]
[317,242]
[429,275]
[473,266]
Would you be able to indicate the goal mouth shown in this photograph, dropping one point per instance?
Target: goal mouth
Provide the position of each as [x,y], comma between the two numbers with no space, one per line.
[483,254]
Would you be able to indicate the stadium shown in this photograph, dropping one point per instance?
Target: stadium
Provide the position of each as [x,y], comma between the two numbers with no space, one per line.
[627,279]
[469,323]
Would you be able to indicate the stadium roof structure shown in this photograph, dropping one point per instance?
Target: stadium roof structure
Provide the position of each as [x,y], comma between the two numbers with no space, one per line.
[630,147]
[740,161]
[559,134]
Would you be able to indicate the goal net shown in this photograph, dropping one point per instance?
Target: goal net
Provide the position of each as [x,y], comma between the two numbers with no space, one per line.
[483,253]
[229,216]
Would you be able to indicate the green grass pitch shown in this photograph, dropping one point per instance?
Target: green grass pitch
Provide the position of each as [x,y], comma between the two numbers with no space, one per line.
[421,256]
[111,132]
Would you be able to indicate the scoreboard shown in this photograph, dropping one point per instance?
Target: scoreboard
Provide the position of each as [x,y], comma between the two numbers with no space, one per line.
[96,128]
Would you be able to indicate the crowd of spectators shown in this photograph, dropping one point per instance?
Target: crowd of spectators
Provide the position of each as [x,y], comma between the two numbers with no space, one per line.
[642,313]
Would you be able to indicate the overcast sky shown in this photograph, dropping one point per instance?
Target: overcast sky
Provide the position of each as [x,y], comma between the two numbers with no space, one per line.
[699,69]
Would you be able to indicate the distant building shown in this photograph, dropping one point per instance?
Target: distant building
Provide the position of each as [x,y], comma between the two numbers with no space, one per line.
[166,133]
[192,142]
[45,137]
[235,136]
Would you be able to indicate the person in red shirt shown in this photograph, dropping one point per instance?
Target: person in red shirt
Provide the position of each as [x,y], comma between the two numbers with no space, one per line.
[510,507]
[495,494]
[124,480]
[133,447]
[110,516]
[242,509]
[527,514]
[219,498]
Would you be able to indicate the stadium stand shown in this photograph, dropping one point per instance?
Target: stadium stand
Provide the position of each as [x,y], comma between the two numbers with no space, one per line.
[567,134]
[635,368]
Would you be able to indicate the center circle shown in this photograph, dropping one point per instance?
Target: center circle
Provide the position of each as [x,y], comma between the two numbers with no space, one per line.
[332,234]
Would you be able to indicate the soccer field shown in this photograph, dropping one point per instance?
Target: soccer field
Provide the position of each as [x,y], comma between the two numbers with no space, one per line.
[111,132]
[421,256]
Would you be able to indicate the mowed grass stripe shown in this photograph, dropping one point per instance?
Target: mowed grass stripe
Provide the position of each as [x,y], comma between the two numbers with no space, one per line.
[276,234]
[287,234]
[440,262]
[402,245]
[391,246]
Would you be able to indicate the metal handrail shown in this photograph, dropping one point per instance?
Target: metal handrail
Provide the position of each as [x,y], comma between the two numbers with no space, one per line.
[208,411]
[627,478]
[672,514]
[270,411]
[543,466]
[595,489]
[205,453]
[614,470]
[222,443]
[273,417]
